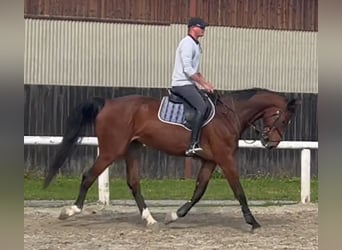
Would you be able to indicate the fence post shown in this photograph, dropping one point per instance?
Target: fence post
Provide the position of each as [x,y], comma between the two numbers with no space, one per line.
[103,181]
[305,175]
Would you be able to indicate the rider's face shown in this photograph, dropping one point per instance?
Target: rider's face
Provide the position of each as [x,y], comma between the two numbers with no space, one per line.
[199,31]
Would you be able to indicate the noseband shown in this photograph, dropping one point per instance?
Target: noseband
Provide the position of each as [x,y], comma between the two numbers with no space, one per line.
[264,133]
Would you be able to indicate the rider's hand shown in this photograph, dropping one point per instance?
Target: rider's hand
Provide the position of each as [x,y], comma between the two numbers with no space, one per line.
[209,87]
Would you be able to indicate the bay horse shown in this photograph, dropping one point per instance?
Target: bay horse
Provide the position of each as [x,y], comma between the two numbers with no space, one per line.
[124,124]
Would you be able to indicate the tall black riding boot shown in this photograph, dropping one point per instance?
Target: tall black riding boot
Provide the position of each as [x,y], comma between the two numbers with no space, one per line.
[195,136]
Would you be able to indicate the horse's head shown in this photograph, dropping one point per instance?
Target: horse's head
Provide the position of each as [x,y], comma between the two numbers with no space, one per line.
[275,121]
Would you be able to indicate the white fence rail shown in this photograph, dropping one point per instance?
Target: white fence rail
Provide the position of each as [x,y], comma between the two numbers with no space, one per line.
[103,180]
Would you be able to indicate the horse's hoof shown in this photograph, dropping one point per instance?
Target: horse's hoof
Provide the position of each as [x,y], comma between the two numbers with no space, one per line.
[255,226]
[68,212]
[170,217]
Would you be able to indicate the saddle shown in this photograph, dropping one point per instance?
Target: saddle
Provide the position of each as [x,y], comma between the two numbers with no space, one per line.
[175,110]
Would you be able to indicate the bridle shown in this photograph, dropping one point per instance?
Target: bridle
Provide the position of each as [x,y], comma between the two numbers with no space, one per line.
[264,133]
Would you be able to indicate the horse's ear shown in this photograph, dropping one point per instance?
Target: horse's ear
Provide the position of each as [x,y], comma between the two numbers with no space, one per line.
[291,105]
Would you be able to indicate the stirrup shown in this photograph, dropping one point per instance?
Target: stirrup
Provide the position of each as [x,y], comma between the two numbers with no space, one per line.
[193,150]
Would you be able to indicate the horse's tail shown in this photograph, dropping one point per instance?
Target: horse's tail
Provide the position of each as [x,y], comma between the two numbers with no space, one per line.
[83,114]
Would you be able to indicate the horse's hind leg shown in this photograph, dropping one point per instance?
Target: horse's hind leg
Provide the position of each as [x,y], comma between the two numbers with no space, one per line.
[88,178]
[202,181]
[133,180]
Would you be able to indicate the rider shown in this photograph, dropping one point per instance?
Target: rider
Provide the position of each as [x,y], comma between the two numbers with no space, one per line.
[187,80]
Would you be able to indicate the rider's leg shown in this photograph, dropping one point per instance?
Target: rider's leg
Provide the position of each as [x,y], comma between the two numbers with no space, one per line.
[194,146]
[192,95]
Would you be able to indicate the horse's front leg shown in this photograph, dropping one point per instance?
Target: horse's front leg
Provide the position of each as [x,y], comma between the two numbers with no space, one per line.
[202,181]
[230,171]
[133,181]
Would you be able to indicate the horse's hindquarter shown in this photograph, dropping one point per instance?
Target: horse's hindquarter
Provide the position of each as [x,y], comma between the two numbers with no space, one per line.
[114,123]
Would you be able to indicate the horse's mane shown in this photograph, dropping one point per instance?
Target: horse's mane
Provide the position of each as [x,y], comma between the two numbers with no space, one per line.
[239,95]
[246,94]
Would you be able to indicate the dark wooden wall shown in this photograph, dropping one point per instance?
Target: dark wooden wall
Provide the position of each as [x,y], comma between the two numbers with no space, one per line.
[47,108]
[267,14]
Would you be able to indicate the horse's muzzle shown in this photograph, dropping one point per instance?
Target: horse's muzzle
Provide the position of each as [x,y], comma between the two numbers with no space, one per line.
[268,144]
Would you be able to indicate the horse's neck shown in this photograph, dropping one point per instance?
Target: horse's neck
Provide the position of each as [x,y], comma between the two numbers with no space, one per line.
[252,109]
